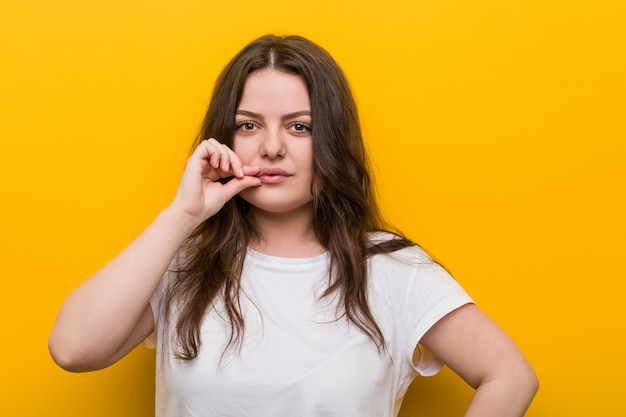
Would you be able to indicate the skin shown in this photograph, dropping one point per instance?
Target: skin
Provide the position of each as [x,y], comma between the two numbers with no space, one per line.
[274,132]
[109,314]
[474,347]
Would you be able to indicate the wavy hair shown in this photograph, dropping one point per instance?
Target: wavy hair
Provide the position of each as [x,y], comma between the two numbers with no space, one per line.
[345,208]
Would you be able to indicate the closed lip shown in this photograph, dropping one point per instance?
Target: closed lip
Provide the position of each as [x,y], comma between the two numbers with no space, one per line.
[272,175]
[272,172]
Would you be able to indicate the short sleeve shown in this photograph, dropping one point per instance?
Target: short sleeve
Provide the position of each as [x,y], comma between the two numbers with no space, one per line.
[431,294]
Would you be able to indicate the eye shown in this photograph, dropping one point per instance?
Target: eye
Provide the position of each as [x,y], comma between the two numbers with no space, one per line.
[246,126]
[300,127]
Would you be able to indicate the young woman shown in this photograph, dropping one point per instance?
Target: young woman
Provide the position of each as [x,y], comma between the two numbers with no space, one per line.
[270,281]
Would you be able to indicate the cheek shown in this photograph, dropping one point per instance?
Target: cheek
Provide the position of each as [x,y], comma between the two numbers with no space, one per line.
[242,151]
[303,151]
[236,144]
[306,158]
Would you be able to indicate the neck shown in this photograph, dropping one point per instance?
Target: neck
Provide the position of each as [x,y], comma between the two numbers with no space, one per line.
[288,235]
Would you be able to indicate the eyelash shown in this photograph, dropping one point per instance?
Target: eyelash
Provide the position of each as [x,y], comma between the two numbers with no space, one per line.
[306,126]
[240,125]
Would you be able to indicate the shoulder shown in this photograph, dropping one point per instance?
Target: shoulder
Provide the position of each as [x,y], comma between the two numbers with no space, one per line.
[409,268]
[407,253]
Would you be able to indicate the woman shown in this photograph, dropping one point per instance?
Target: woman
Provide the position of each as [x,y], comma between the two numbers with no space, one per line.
[270,280]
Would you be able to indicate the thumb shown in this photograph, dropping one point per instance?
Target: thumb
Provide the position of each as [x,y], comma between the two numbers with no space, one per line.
[237,185]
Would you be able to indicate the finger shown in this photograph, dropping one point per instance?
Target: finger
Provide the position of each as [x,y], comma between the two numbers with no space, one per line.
[215,152]
[250,170]
[223,158]
[199,161]
[202,151]
[207,149]
[217,156]
[237,185]
[236,166]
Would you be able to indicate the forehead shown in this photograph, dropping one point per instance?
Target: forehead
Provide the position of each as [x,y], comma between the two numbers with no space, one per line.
[270,91]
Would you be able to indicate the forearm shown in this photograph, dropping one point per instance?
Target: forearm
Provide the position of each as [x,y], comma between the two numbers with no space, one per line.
[505,397]
[99,316]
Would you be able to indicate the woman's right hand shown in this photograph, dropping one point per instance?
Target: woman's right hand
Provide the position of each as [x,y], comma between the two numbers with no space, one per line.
[200,193]
[109,314]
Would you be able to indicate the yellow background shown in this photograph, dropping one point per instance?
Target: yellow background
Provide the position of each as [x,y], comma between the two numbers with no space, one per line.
[497,130]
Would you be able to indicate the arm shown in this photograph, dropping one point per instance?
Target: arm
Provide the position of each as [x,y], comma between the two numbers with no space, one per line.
[474,347]
[109,314]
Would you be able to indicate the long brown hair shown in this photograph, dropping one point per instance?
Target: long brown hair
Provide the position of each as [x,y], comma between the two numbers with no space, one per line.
[345,209]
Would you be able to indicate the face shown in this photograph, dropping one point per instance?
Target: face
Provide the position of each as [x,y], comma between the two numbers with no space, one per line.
[273,132]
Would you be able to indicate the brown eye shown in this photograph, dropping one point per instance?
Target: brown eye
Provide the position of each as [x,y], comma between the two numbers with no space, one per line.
[246,126]
[299,127]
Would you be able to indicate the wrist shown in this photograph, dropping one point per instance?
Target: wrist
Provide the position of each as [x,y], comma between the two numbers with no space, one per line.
[180,219]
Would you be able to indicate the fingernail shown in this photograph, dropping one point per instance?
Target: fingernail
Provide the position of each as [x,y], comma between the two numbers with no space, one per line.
[241,171]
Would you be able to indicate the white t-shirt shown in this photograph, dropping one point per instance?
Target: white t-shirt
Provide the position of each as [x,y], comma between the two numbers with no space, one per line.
[297,358]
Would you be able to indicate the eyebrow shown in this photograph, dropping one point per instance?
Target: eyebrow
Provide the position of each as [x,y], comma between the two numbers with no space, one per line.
[284,117]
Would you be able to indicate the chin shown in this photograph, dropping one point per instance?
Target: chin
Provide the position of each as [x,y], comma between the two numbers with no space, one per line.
[276,203]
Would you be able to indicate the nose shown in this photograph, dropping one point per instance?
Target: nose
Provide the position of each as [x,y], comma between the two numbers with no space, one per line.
[273,145]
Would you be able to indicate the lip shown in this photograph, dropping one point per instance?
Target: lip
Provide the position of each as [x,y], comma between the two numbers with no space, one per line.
[272,175]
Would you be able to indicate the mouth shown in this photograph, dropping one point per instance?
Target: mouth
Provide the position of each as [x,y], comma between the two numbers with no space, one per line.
[272,175]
